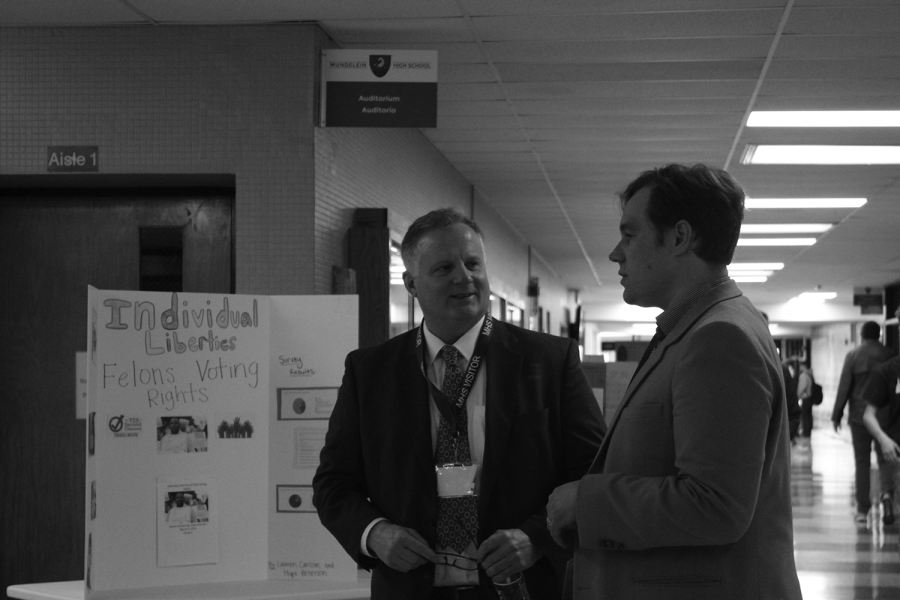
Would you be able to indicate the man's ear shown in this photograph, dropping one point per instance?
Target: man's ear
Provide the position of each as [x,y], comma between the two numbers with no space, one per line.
[409,282]
[684,238]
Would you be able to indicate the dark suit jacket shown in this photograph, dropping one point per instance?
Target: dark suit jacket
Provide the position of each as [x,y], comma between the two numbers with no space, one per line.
[543,428]
[690,494]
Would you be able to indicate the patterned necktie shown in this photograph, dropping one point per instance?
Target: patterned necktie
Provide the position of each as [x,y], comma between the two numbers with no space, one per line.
[458,516]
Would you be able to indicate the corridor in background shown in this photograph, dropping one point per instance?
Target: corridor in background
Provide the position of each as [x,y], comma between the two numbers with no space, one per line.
[836,558]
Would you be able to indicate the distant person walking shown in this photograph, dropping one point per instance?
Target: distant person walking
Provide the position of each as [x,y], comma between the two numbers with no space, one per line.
[855,375]
[805,383]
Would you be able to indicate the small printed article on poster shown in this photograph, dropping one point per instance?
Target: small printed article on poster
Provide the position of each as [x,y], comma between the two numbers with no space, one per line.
[187,526]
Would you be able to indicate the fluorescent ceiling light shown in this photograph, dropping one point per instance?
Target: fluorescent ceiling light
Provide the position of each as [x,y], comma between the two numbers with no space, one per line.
[767,154]
[776,241]
[804,202]
[396,282]
[641,328]
[824,118]
[397,268]
[740,273]
[818,295]
[749,279]
[755,266]
[813,297]
[785,228]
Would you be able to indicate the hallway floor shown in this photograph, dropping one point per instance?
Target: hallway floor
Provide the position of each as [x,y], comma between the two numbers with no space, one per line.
[836,558]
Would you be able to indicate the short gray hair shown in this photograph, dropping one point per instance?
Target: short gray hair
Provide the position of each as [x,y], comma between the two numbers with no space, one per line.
[436,219]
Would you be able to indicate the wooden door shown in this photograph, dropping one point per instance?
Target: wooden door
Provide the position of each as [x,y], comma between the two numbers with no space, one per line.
[53,244]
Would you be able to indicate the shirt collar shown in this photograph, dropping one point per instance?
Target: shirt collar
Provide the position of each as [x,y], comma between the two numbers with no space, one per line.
[465,344]
[667,321]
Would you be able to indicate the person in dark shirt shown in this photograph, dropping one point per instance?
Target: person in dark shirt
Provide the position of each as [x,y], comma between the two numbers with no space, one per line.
[881,416]
[793,402]
[858,367]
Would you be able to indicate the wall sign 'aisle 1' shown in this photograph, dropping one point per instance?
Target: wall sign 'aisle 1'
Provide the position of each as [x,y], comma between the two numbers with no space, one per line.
[73,158]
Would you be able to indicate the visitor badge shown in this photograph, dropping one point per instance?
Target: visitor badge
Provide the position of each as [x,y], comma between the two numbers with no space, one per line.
[455,480]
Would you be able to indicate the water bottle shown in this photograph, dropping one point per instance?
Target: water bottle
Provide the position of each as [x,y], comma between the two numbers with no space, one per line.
[513,588]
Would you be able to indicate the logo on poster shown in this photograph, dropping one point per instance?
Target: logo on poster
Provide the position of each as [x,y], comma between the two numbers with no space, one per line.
[122,426]
[116,423]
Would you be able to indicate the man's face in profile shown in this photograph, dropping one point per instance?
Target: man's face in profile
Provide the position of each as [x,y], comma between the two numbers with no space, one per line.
[644,264]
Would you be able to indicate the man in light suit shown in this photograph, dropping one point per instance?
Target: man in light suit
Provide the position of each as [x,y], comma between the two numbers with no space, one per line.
[689,495]
[518,413]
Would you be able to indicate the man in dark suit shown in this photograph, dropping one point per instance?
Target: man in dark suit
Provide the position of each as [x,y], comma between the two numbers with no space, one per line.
[690,494]
[446,441]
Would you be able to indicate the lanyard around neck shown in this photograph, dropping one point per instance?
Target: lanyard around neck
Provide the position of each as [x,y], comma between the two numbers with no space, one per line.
[445,406]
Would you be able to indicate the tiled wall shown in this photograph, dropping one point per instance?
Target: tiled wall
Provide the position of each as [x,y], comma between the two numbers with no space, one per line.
[397,169]
[400,170]
[173,100]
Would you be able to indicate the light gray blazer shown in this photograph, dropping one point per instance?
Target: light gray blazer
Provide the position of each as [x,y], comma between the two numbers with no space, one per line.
[689,495]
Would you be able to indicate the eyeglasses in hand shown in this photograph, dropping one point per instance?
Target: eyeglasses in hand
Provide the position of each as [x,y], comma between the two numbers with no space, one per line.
[463,563]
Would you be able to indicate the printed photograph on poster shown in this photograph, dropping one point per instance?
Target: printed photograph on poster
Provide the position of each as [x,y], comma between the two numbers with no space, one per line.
[178,435]
[306,403]
[187,529]
[234,425]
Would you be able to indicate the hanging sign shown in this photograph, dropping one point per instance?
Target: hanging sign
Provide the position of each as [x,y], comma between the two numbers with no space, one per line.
[870,300]
[379,88]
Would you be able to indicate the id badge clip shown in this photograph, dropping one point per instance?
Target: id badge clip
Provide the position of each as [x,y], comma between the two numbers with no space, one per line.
[455,479]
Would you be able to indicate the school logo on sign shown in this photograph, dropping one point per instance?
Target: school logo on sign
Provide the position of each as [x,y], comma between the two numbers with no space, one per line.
[380,64]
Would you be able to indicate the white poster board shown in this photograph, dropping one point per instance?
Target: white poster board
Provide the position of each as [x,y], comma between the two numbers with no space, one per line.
[189,458]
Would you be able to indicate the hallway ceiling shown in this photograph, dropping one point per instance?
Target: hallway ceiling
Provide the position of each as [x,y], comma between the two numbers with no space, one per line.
[550,107]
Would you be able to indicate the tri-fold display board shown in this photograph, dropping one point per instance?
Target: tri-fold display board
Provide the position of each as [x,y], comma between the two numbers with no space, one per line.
[206,415]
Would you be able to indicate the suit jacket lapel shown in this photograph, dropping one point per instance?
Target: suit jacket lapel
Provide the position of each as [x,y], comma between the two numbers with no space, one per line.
[504,377]
[722,292]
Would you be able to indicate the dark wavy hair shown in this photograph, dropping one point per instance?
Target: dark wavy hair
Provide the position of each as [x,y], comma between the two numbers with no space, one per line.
[708,198]
[436,219]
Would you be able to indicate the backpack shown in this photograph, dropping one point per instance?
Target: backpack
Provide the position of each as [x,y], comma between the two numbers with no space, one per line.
[816,394]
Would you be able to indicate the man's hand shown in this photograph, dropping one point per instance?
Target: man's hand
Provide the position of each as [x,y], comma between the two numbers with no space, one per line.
[399,547]
[837,426]
[890,450]
[507,552]
[561,514]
